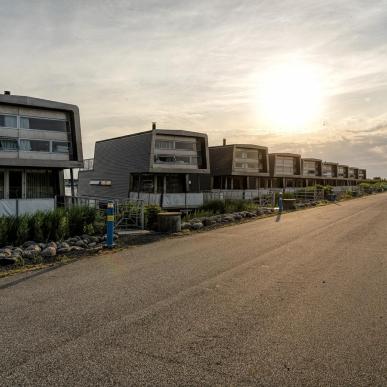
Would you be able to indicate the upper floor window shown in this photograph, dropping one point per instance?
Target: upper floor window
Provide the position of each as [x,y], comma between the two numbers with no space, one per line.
[8,144]
[184,145]
[60,147]
[35,145]
[8,121]
[43,124]
[246,154]
[161,144]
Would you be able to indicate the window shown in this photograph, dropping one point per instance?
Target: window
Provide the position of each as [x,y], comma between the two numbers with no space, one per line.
[7,121]
[160,159]
[8,144]
[285,165]
[161,144]
[183,145]
[15,184]
[39,185]
[183,160]
[309,168]
[246,154]
[60,147]
[106,183]
[43,124]
[35,145]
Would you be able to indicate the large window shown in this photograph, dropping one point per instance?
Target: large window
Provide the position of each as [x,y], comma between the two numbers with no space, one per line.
[309,168]
[8,121]
[35,145]
[176,159]
[184,145]
[43,124]
[15,184]
[246,154]
[39,185]
[60,147]
[285,166]
[8,144]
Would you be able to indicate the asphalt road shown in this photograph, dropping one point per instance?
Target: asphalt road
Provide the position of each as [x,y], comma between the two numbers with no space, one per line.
[298,301]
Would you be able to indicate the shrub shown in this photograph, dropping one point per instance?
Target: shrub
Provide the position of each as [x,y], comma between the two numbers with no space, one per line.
[150,216]
[54,225]
[214,207]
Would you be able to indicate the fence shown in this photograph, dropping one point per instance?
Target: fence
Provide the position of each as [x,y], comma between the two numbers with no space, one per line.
[129,213]
[16,207]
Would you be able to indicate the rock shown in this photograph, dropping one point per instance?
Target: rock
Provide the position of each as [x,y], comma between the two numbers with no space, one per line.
[64,245]
[196,225]
[49,252]
[250,214]
[42,246]
[237,216]
[63,251]
[92,244]
[34,247]
[185,226]
[76,248]
[52,244]
[80,243]
[94,249]
[6,252]
[30,254]
[17,250]
[28,244]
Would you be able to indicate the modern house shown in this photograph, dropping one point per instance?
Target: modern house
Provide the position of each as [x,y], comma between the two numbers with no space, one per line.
[159,161]
[362,174]
[329,172]
[311,171]
[239,166]
[38,140]
[285,170]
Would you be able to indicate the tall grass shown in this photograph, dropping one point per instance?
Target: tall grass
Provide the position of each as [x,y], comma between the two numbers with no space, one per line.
[55,225]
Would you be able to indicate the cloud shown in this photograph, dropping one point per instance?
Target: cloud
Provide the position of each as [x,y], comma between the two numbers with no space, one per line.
[196,66]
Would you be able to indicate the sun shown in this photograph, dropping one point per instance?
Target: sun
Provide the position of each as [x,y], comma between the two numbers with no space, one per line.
[290,96]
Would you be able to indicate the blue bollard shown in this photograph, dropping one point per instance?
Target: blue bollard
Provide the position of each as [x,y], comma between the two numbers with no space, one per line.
[110,225]
[280,202]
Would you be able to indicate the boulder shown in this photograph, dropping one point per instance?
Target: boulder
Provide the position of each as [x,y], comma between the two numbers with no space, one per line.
[49,252]
[80,243]
[196,225]
[30,254]
[52,244]
[28,243]
[76,249]
[185,226]
[237,216]
[6,252]
[63,245]
[94,249]
[34,247]
[92,244]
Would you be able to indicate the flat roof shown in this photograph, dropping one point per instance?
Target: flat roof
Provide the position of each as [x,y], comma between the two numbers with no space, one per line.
[252,146]
[285,154]
[168,132]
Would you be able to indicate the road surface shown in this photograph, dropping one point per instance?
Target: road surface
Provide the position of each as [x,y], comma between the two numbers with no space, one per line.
[291,301]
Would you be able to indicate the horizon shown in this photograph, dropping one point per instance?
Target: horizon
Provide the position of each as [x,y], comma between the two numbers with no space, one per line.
[309,79]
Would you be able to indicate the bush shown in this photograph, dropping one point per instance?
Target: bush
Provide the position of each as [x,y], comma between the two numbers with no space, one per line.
[150,216]
[53,225]
[214,207]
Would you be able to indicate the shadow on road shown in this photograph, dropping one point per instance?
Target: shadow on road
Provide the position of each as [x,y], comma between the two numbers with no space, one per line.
[30,276]
[278,217]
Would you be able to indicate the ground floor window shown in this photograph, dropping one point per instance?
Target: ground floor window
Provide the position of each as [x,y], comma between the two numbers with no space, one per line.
[39,185]
[15,184]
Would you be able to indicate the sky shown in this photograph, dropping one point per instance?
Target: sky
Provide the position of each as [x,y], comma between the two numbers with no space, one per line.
[242,70]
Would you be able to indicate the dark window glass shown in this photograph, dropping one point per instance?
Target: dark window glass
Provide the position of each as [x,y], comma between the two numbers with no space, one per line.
[183,145]
[43,124]
[39,185]
[183,159]
[165,159]
[8,144]
[60,147]
[15,184]
[35,145]
[7,121]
